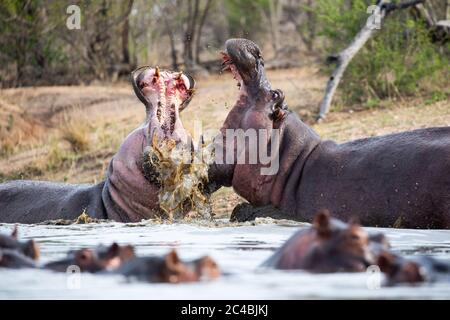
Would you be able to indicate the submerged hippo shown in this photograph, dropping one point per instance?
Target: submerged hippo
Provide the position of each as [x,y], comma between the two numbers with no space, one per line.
[330,245]
[110,260]
[28,248]
[94,260]
[17,254]
[400,179]
[170,269]
[128,193]
[400,270]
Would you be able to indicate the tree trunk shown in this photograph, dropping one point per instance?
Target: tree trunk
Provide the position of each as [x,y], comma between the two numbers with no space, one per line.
[274,18]
[126,33]
[199,31]
[447,13]
[173,49]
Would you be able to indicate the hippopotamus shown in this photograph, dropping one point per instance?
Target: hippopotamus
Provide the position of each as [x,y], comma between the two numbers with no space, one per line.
[400,179]
[170,269]
[114,259]
[94,260]
[415,270]
[129,192]
[17,254]
[329,245]
[28,248]
[121,260]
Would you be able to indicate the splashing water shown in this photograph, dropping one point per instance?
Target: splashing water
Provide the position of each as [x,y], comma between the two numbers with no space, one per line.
[182,176]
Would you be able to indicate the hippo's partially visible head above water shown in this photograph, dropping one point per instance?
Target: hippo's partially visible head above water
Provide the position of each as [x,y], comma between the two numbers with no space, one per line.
[330,245]
[27,248]
[170,268]
[17,254]
[94,260]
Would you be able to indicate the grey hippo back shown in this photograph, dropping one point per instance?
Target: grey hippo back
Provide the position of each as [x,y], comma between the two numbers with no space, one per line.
[36,201]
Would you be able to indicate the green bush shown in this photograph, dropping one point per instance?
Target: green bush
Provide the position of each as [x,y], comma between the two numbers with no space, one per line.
[399,61]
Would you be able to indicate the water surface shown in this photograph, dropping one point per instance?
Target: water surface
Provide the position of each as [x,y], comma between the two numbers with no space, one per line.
[238,249]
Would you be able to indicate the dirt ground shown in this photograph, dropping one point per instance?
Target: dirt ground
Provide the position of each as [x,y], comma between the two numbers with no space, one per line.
[70,133]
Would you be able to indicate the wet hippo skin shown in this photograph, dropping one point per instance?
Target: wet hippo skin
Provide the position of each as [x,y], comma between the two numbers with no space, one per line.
[400,180]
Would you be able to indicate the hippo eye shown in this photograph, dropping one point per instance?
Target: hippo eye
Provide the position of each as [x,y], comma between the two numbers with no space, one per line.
[275,95]
[354,237]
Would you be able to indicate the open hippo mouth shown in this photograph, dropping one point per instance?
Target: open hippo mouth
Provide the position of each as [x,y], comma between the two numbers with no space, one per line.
[165,94]
[243,58]
[170,161]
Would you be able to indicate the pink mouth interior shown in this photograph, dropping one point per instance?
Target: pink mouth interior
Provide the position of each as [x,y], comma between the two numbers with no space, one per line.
[228,65]
[167,91]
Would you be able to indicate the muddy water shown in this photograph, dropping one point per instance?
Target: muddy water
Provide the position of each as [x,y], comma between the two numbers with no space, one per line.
[239,250]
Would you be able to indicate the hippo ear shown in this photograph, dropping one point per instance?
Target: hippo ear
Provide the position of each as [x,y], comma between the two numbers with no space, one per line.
[137,90]
[113,250]
[32,250]
[172,260]
[321,223]
[15,233]
[386,262]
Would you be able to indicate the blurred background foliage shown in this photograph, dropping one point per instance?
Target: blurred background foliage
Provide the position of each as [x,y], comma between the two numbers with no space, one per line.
[406,57]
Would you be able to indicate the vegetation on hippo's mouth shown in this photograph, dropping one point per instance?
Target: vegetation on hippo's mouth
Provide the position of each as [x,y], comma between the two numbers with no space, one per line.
[181,179]
[402,59]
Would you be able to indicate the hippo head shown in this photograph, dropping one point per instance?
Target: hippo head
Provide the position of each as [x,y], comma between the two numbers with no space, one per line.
[331,246]
[173,270]
[400,270]
[243,58]
[260,113]
[133,184]
[164,94]
[94,260]
[28,248]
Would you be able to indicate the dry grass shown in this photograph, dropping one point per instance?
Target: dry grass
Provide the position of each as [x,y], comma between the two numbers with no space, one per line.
[71,133]
[76,129]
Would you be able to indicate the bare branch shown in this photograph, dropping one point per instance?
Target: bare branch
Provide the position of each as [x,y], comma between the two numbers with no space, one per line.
[344,57]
